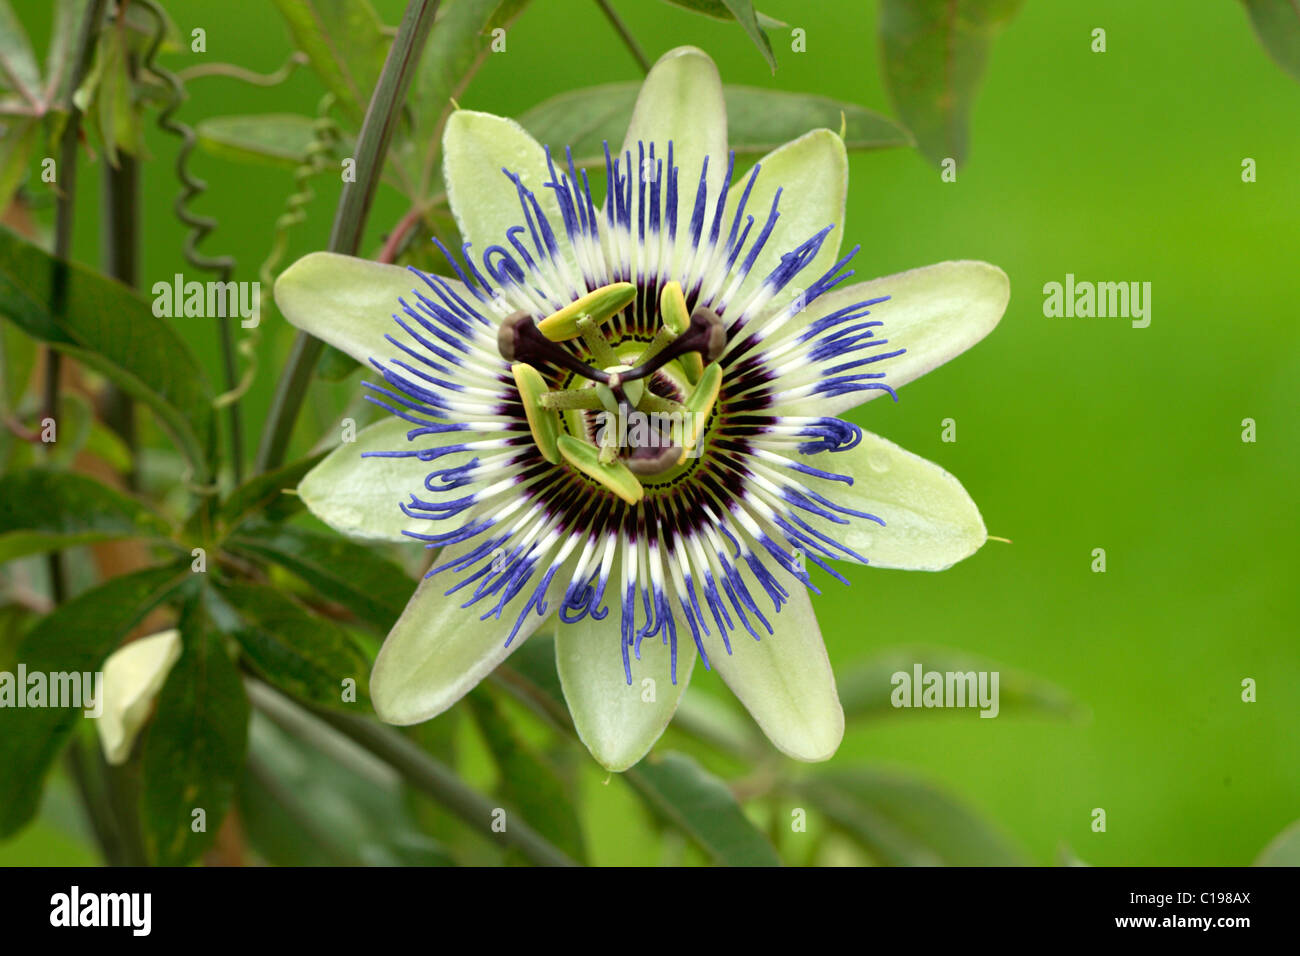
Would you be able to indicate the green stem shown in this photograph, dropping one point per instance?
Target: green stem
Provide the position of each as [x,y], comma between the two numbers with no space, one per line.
[120,253]
[628,39]
[420,770]
[63,222]
[382,116]
[93,801]
[294,804]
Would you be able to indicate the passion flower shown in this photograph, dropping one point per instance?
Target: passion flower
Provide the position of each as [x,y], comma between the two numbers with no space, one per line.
[620,422]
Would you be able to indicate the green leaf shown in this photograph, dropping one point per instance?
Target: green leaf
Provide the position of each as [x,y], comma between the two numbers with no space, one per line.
[743,11]
[934,54]
[68,15]
[16,145]
[904,822]
[1277,24]
[760,120]
[370,586]
[757,120]
[532,668]
[18,69]
[718,10]
[457,45]
[73,639]
[194,751]
[345,44]
[115,114]
[335,365]
[302,807]
[17,362]
[528,781]
[1283,849]
[272,494]
[700,805]
[76,419]
[43,510]
[866,691]
[111,329]
[302,654]
[277,139]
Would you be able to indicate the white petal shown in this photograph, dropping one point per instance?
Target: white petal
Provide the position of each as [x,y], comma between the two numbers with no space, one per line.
[438,651]
[476,147]
[812,173]
[931,523]
[619,722]
[360,496]
[133,676]
[935,312]
[785,679]
[681,100]
[349,302]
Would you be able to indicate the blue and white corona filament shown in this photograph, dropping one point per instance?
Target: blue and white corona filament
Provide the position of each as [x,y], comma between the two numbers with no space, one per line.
[621,422]
[740,502]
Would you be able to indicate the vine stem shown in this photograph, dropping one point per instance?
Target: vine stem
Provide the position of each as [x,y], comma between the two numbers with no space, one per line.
[120,251]
[395,238]
[199,228]
[420,770]
[63,226]
[63,223]
[382,116]
[628,39]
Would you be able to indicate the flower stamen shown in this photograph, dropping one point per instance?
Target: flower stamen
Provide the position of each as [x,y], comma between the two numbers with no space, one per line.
[599,305]
[543,422]
[614,475]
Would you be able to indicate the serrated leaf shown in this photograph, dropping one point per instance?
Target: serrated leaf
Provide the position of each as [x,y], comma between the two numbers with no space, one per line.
[345,43]
[369,585]
[44,510]
[75,638]
[868,690]
[276,139]
[1277,24]
[303,654]
[111,329]
[905,822]
[934,55]
[677,788]
[757,120]
[194,752]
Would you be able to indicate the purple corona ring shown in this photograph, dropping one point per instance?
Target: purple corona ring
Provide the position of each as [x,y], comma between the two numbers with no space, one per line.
[620,422]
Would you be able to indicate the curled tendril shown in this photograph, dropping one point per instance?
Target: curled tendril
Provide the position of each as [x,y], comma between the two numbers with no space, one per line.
[320,152]
[234,72]
[200,227]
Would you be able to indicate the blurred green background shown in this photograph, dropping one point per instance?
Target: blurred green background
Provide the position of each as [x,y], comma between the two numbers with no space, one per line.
[1072,434]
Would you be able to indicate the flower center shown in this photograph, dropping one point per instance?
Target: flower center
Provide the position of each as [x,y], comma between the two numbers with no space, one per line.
[634,412]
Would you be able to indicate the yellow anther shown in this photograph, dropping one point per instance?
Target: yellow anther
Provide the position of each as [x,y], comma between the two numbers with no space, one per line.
[675,319]
[600,305]
[699,406]
[615,475]
[672,308]
[543,422]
